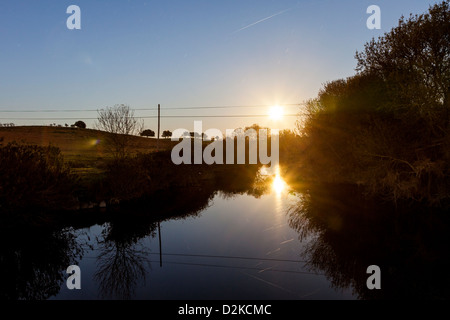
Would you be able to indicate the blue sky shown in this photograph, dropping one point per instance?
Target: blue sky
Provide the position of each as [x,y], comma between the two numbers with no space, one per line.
[180,54]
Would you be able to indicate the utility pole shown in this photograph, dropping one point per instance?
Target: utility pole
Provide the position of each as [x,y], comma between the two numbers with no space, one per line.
[157,148]
[159,117]
[160,249]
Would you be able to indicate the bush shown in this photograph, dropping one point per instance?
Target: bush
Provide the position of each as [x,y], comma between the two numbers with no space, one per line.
[34,177]
[127,179]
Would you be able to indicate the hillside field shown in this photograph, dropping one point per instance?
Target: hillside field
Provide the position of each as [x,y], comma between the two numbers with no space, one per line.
[84,149]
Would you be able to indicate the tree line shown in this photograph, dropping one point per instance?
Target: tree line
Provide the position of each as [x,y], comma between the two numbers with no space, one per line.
[387,128]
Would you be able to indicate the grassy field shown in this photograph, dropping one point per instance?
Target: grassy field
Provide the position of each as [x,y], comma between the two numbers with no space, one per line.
[97,180]
[84,149]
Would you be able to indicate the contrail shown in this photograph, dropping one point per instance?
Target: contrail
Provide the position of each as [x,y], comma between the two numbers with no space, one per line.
[262,20]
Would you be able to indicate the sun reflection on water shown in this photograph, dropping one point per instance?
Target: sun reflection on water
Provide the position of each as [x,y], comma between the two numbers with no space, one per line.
[278,184]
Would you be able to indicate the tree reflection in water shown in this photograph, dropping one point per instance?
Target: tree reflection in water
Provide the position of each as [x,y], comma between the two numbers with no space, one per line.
[33,261]
[346,233]
[123,261]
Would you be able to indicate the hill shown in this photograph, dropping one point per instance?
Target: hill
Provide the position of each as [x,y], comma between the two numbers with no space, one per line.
[83,149]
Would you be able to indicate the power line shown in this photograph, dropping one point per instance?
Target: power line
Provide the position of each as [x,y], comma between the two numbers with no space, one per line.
[232,267]
[239,267]
[150,109]
[235,258]
[171,116]
[228,257]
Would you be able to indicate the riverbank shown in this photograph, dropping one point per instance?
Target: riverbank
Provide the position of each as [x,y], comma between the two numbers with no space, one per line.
[39,185]
[69,169]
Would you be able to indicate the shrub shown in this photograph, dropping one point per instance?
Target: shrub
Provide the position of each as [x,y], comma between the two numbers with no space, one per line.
[34,177]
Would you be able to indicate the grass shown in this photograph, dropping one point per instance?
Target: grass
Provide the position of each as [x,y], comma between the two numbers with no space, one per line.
[136,177]
[84,150]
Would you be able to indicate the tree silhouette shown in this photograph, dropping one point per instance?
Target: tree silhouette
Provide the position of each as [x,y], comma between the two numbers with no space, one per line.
[120,121]
[413,59]
[166,134]
[147,133]
[80,124]
[387,128]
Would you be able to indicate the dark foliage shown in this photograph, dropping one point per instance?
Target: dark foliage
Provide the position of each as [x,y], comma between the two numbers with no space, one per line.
[34,177]
[166,134]
[80,124]
[344,233]
[147,133]
[387,128]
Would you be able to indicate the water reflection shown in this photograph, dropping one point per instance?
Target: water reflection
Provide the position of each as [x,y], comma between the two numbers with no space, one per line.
[343,233]
[278,184]
[33,261]
[346,234]
[122,259]
[122,263]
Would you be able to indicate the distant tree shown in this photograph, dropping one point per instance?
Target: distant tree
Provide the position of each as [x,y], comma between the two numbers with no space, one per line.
[66,125]
[195,135]
[147,133]
[166,134]
[257,129]
[120,121]
[80,124]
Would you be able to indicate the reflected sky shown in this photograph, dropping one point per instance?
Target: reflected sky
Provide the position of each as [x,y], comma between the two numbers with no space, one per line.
[240,247]
[249,242]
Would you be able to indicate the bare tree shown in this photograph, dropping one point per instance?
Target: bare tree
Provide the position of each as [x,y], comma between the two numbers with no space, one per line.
[121,123]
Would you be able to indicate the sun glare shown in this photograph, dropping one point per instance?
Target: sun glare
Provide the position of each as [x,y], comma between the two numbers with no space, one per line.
[276,112]
[278,184]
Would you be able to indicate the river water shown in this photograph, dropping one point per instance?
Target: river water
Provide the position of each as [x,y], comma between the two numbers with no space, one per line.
[236,242]
[239,247]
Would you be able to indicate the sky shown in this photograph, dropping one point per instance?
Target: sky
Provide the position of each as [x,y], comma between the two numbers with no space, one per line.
[188,56]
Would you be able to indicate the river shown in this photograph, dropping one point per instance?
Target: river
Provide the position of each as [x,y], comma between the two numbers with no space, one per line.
[239,247]
[259,243]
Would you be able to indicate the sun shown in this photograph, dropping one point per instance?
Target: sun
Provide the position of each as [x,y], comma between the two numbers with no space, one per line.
[276,112]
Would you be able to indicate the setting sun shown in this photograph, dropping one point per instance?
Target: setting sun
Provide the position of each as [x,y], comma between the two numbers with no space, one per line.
[276,112]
